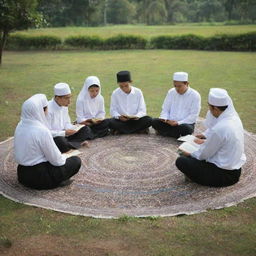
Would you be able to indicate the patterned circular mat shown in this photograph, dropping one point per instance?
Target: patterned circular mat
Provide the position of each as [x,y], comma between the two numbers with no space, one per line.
[131,175]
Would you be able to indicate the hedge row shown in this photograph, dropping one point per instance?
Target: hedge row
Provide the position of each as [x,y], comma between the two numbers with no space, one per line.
[243,42]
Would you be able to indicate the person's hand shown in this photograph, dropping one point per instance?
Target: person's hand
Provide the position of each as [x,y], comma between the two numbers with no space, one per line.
[162,120]
[123,118]
[199,141]
[172,122]
[70,132]
[200,136]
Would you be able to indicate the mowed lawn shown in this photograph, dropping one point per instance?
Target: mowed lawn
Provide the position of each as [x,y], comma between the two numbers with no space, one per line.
[26,230]
[142,30]
[26,73]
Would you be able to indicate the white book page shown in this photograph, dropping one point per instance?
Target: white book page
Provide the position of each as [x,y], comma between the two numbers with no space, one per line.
[77,127]
[189,147]
[70,153]
[189,138]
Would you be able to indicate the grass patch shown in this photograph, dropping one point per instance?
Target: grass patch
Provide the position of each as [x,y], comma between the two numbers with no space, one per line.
[142,30]
[26,73]
[229,231]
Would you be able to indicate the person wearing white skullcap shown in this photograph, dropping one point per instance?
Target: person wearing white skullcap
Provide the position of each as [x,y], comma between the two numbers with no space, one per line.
[180,109]
[219,159]
[128,107]
[40,163]
[63,131]
[90,109]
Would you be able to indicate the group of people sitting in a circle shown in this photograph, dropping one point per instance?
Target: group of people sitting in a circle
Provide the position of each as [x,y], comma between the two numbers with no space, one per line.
[45,132]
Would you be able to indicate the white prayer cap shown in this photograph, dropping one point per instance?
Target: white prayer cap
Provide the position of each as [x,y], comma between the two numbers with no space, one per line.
[218,97]
[61,89]
[180,76]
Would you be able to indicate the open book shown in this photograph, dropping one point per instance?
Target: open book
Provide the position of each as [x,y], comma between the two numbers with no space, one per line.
[96,120]
[188,144]
[77,127]
[72,152]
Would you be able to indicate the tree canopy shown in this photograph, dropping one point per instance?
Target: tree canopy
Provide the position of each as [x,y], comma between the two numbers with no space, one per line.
[151,12]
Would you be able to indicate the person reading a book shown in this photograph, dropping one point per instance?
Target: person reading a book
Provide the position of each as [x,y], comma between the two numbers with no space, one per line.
[90,109]
[128,108]
[40,163]
[66,135]
[218,160]
[180,109]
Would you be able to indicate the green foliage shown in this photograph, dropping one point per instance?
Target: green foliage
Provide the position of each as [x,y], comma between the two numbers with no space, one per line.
[222,42]
[32,42]
[98,12]
[17,15]
[120,12]
[88,42]
[125,42]
[244,42]
[177,42]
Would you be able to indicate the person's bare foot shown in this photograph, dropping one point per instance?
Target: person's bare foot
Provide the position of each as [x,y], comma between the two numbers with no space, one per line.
[85,144]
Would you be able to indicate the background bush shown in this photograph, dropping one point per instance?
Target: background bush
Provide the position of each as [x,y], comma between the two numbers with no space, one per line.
[16,42]
[88,42]
[221,42]
[125,42]
[177,42]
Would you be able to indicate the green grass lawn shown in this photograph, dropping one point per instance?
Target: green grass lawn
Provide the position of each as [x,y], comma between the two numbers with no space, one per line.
[142,30]
[229,231]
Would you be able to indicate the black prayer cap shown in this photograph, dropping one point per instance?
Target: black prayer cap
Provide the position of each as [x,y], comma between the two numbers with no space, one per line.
[123,76]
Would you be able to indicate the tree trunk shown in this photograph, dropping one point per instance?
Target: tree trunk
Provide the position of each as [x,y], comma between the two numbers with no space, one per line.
[3,39]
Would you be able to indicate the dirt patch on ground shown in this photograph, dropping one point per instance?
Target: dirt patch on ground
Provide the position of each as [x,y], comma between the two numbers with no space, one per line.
[51,245]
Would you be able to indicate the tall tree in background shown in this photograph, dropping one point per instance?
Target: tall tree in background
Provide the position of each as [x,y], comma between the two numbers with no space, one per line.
[120,12]
[247,10]
[211,10]
[156,13]
[16,15]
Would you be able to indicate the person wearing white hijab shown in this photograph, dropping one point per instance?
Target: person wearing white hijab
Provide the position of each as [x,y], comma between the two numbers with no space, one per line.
[63,131]
[128,108]
[90,109]
[40,163]
[180,109]
[219,159]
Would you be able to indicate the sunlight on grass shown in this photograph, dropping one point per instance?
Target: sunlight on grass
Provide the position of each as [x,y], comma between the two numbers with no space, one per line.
[142,30]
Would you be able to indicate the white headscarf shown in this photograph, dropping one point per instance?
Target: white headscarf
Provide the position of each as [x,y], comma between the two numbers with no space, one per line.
[33,109]
[210,120]
[90,105]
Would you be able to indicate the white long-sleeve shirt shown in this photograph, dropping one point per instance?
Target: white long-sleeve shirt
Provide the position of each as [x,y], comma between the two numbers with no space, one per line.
[224,145]
[132,104]
[33,144]
[58,119]
[90,108]
[183,108]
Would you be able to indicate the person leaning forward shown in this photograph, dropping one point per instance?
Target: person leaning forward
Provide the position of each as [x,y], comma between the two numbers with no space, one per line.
[63,131]
[219,159]
[40,163]
[128,108]
[180,109]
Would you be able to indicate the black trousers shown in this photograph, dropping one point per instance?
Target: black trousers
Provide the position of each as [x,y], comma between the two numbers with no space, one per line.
[165,129]
[130,126]
[100,130]
[74,141]
[46,175]
[205,173]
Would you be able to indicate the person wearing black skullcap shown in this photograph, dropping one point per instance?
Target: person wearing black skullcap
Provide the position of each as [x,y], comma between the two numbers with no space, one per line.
[128,107]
